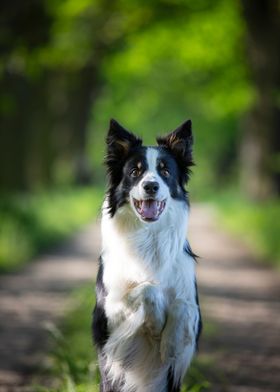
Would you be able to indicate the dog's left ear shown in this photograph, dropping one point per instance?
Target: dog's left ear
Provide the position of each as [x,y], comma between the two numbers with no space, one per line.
[179,143]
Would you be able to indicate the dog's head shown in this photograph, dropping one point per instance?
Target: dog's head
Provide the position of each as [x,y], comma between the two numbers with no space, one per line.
[147,178]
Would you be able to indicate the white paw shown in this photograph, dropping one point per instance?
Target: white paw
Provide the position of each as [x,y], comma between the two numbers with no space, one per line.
[155,316]
[150,297]
[134,298]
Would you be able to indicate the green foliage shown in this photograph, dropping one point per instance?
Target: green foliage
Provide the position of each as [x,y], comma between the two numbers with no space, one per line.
[73,360]
[188,66]
[151,64]
[30,223]
[257,223]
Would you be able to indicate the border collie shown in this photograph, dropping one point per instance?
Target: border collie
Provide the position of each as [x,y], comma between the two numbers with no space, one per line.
[146,321]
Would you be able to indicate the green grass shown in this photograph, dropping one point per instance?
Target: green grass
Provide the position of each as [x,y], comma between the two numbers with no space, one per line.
[31,223]
[73,362]
[258,224]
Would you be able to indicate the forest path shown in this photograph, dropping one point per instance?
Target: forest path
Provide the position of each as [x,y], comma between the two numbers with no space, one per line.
[36,297]
[240,297]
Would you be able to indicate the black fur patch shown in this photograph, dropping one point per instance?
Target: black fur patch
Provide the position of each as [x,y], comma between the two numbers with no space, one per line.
[121,145]
[199,329]
[171,386]
[100,322]
[179,143]
[100,333]
[119,193]
[188,250]
[176,178]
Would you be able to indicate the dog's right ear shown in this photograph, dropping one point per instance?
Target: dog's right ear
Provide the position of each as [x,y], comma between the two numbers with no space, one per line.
[119,140]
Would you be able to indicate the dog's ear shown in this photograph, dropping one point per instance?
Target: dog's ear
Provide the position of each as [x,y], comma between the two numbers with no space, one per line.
[119,141]
[179,143]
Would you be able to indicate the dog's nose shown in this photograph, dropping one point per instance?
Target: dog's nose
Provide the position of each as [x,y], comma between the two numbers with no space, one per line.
[151,187]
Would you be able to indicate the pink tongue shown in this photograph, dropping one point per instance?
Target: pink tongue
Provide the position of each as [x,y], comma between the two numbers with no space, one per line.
[149,209]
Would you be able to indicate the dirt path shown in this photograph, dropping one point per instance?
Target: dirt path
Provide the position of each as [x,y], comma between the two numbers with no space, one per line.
[35,297]
[242,298]
[239,296]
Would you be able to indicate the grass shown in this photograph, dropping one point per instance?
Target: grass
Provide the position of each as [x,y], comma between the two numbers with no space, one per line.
[31,223]
[73,362]
[257,223]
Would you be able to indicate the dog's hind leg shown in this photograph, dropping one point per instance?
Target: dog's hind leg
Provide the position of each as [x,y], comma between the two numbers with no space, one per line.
[106,384]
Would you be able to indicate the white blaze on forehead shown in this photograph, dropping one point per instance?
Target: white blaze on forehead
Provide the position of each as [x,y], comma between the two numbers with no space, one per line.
[151,174]
[152,158]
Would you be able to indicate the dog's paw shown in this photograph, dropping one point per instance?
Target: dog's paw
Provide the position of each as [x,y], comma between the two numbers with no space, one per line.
[155,316]
[150,297]
[137,296]
[133,299]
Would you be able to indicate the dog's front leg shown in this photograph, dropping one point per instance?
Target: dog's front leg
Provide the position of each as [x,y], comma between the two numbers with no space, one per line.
[179,330]
[150,297]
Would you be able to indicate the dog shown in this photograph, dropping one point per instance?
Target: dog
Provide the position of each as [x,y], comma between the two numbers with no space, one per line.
[146,321]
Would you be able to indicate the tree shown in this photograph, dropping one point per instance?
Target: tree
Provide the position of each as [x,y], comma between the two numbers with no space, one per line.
[22,99]
[260,150]
[52,57]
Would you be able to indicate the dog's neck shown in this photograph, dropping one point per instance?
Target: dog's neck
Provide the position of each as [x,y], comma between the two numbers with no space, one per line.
[154,244]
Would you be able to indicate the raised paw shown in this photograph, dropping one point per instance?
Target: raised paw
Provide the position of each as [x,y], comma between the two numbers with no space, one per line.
[134,298]
[151,298]
[155,315]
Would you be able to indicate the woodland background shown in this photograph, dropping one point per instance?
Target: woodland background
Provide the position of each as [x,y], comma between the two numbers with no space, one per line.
[68,66]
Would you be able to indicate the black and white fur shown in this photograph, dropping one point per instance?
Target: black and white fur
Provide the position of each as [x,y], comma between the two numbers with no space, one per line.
[146,320]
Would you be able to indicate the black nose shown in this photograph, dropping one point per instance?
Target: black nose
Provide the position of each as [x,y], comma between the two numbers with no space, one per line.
[151,187]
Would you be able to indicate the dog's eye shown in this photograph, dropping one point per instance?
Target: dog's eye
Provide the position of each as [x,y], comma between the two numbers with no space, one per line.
[135,173]
[165,172]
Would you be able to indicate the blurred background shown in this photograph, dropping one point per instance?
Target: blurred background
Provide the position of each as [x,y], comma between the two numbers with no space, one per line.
[68,66]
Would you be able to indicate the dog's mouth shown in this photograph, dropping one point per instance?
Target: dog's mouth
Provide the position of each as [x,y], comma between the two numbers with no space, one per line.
[150,209]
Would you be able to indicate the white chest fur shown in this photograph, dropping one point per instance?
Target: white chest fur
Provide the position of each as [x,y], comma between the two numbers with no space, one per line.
[148,255]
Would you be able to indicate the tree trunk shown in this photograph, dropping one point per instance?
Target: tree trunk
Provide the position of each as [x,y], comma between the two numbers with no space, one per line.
[261,141]
[81,103]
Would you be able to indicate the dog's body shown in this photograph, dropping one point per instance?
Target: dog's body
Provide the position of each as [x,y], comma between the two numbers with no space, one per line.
[146,319]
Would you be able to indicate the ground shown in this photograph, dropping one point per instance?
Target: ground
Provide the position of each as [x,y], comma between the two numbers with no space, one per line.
[35,298]
[239,296]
